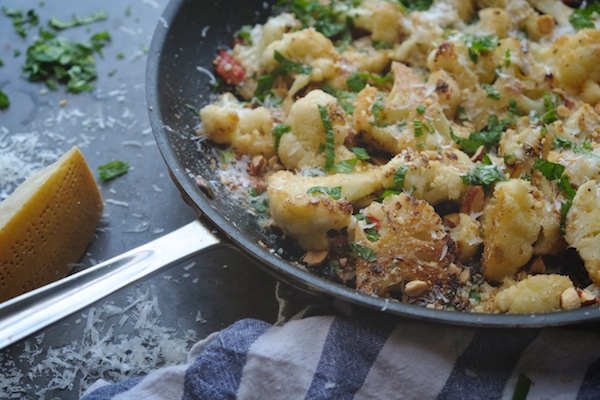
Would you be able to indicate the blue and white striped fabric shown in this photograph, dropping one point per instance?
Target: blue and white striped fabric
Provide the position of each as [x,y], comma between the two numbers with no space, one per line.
[343,358]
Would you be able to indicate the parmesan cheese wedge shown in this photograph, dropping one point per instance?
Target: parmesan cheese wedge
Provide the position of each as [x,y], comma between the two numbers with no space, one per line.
[46,224]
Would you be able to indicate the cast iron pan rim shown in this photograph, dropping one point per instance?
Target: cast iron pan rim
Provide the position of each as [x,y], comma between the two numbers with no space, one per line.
[286,270]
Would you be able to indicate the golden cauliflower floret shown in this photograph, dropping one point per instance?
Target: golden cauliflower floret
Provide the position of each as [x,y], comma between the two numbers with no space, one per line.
[430,175]
[511,225]
[307,47]
[407,117]
[381,18]
[307,217]
[536,293]
[581,125]
[301,147]
[579,166]
[495,21]
[247,130]
[522,147]
[412,246]
[574,61]
[582,227]
[466,233]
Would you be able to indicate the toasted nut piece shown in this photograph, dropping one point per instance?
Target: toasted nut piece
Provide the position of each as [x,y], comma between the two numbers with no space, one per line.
[538,266]
[415,288]
[315,258]
[597,108]
[257,166]
[545,24]
[587,298]
[569,299]
[343,262]
[272,161]
[479,153]
[452,220]
[465,275]
[474,201]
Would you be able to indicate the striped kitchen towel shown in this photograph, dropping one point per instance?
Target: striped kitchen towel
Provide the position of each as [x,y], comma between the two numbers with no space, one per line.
[328,357]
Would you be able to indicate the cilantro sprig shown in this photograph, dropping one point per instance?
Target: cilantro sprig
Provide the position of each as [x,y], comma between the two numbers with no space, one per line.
[583,18]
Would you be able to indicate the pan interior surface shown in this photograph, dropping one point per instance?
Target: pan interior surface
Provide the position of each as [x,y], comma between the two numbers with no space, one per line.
[179,80]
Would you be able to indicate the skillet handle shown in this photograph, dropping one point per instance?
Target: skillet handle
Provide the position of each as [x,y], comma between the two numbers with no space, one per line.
[32,311]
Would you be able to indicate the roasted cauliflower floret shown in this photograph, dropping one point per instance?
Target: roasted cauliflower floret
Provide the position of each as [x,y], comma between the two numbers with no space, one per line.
[247,130]
[381,18]
[466,233]
[582,227]
[307,47]
[307,216]
[412,246]
[430,175]
[408,117]
[536,293]
[301,146]
[511,225]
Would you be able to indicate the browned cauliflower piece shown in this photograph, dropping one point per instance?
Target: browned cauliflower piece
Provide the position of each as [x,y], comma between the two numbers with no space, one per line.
[536,293]
[511,225]
[582,227]
[247,130]
[466,233]
[412,247]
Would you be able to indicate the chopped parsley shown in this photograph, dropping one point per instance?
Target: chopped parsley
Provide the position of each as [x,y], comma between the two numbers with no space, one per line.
[479,44]
[483,175]
[491,91]
[244,34]
[345,98]
[113,169]
[488,137]
[264,84]
[358,80]
[56,59]
[399,179]
[289,65]
[333,192]
[512,107]
[361,153]
[421,109]
[21,20]
[77,21]
[377,110]
[4,101]
[278,131]
[583,148]
[552,171]
[416,5]
[364,252]
[583,18]
[329,138]
[507,58]
[550,103]
[418,125]
[344,167]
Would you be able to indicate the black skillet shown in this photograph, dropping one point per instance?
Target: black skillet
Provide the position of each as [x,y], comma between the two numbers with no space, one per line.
[188,36]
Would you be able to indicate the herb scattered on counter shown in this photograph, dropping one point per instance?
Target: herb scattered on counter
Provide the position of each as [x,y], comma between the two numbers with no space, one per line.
[4,101]
[16,53]
[21,20]
[479,44]
[113,169]
[333,192]
[120,56]
[1,63]
[583,18]
[55,59]
[77,21]
[128,11]
[483,175]
[290,65]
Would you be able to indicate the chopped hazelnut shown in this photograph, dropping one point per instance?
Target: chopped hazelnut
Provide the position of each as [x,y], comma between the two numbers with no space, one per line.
[569,299]
[587,298]
[478,156]
[257,166]
[415,288]
[465,275]
[452,220]
[474,201]
[315,258]
[545,24]
[538,266]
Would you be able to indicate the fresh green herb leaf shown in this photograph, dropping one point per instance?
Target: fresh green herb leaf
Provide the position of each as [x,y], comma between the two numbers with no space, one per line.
[421,109]
[552,171]
[512,107]
[491,91]
[261,206]
[344,167]
[323,17]
[418,125]
[278,131]
[550,103]
[4,101]
[372,234]
[244,33]
[479,44]
[488,137]
[16,52]
[507,58]
[120,56]
[227,156]
[345,98]
[364,252]
[377,110]
[416,5]
[264,84]
[461,113]
[113,169]
[329,138]
[77,21]
[522,387]
[482,175]
[333,192]
[361,153]
[194,109]
[583,18]
[290,65]
[21,20]
[128,11]
[355,82]
[400,177]
[475,295]
[583,148]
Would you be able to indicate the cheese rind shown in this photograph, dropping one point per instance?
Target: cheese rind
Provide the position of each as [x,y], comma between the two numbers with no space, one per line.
[46,224]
